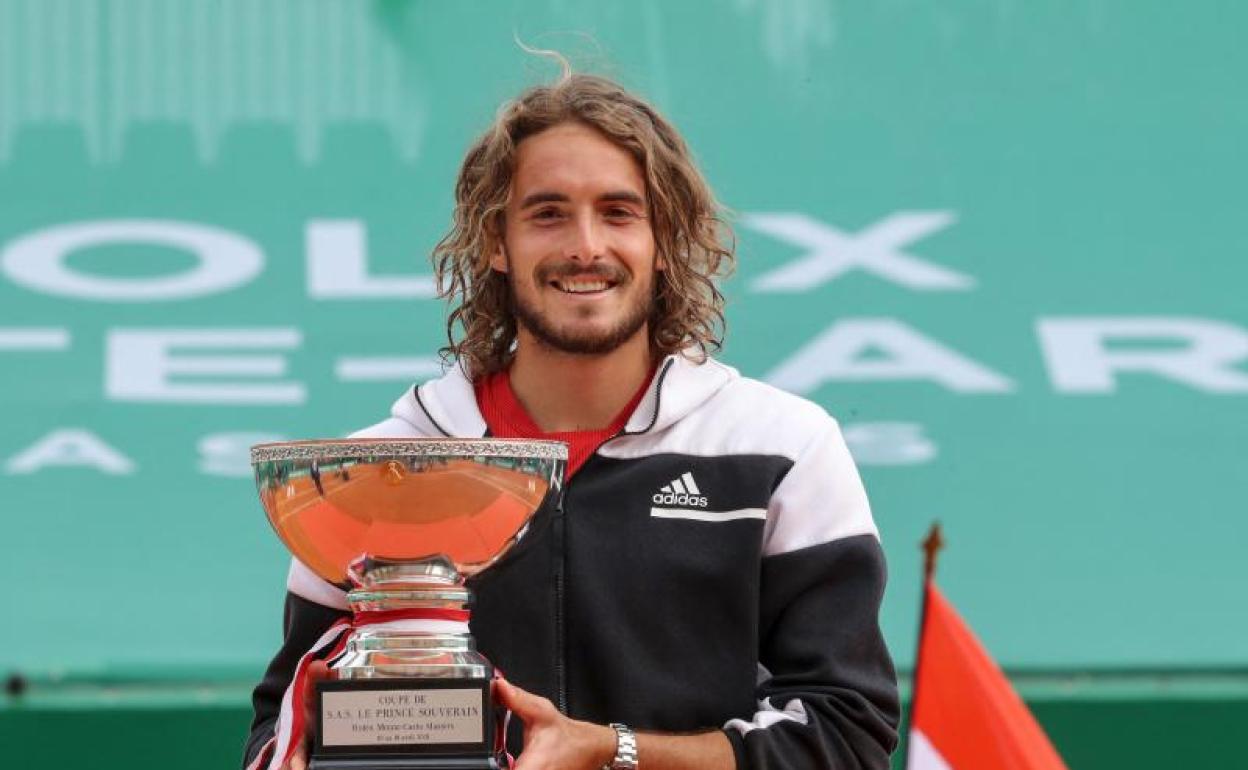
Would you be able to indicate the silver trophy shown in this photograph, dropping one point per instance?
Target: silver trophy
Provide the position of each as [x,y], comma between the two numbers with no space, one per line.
[403,522]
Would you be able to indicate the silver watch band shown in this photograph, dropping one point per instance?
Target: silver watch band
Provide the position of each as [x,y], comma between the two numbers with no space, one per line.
[625,749]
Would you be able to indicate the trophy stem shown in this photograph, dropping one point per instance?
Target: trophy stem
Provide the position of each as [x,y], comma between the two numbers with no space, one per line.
[410,678]
[411,620]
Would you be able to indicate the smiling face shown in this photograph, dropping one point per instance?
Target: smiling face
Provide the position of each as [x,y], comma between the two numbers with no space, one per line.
[577,243]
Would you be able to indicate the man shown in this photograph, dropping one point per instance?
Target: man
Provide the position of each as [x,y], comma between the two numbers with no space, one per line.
[711,575]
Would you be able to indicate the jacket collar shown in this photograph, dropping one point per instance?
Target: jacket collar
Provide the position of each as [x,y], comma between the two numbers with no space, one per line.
[680,385]
[447,406]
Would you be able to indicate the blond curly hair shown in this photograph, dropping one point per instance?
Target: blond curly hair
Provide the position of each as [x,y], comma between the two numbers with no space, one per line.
[690,233]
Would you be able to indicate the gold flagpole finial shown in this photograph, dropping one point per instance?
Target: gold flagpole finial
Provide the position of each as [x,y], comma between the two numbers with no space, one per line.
[931,546]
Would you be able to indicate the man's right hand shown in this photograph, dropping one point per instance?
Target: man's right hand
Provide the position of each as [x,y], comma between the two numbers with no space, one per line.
[318,671]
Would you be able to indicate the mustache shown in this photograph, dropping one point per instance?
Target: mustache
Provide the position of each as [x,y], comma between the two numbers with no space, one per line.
[599,270]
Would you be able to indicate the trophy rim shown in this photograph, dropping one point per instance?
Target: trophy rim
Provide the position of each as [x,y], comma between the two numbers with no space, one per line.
[319,449]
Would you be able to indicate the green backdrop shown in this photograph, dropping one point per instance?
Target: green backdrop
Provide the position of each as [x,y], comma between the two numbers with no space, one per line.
[1001,242]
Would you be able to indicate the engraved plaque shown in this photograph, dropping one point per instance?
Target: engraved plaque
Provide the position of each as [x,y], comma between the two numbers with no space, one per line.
[433,717]
[386,717]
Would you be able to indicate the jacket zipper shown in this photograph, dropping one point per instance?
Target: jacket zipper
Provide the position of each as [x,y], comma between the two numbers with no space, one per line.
[561,676]
[561,682]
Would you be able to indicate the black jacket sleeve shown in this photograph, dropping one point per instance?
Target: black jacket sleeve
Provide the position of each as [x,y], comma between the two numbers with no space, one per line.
[829,697]
[303,622]
[827,692]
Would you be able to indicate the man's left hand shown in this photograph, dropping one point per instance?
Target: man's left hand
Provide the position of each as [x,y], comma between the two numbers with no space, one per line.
[553,741]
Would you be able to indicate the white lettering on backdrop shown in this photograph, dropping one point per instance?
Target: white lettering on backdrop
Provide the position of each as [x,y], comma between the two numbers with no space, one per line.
[889,443]
[70,447]
[34,338]
[140,365]
[337,255]
[224,260]
[1081,357]
[229,454]
[832,252]
[387,368]
[874,349]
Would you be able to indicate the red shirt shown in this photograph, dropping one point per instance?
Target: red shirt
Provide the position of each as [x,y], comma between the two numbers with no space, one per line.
[505,417]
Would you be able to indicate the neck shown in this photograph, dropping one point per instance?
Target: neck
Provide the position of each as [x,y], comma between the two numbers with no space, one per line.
[568,391]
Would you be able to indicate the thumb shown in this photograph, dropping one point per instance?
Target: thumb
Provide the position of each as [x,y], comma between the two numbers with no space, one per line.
[522,703]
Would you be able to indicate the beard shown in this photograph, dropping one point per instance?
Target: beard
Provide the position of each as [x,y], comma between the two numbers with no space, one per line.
[568,338]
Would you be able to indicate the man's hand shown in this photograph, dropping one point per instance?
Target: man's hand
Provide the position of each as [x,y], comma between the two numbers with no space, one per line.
[552,741]
[318,670]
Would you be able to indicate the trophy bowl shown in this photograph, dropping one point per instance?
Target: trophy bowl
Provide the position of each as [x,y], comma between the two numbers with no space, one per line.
[402,523]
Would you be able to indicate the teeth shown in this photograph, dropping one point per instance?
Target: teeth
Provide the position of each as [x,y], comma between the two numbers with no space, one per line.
[580,287]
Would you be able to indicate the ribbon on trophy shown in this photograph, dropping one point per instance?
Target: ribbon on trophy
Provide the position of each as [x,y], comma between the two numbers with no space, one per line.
[290,730]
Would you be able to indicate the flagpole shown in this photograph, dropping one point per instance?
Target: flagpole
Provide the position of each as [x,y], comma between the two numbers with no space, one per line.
[931,547]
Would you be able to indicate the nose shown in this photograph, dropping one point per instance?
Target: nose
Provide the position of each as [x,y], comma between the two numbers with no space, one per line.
[586,243]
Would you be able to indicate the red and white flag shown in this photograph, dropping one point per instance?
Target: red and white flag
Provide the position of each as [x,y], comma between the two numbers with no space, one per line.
[966,716]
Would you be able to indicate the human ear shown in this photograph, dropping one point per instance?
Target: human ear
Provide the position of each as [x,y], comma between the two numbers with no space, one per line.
[498,260]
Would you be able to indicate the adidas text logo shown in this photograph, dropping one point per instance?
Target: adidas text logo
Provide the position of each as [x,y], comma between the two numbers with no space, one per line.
[681,491]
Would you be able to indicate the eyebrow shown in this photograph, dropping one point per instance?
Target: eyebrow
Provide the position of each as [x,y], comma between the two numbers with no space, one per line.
[623,196]
[616,196]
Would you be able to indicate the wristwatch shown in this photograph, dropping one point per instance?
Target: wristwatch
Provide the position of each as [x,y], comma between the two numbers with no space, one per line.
[625,749]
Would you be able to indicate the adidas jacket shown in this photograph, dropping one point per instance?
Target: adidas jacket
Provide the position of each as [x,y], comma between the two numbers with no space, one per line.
[715,565]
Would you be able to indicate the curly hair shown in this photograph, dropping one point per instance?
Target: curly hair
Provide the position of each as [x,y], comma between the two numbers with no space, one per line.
[690,233]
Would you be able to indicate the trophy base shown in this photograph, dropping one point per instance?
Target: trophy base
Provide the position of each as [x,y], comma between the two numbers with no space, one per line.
[405,724]
[403,763]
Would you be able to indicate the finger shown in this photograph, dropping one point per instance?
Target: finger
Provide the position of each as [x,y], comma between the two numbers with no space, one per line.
[523,763]
[299,760]
[532,758]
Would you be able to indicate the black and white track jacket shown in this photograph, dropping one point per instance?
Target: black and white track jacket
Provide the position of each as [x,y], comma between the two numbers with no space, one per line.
[715,565]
